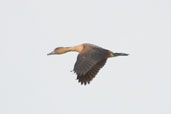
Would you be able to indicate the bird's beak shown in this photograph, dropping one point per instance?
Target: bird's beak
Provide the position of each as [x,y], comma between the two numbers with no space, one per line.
[51,53]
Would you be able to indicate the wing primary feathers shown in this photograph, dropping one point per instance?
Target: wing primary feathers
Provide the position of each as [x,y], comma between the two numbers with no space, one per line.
[87,77]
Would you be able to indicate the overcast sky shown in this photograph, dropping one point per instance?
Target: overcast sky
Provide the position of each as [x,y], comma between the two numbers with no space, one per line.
[33,83]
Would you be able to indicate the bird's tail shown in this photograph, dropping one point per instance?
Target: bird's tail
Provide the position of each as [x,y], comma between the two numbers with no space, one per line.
[120,54]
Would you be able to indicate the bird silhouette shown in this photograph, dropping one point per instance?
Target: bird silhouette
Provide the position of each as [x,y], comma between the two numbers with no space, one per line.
[90,60]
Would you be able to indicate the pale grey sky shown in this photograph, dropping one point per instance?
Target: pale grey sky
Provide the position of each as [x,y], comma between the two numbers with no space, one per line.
[33,83]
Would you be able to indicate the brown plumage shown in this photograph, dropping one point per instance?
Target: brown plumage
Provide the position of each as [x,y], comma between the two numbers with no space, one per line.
[90,60]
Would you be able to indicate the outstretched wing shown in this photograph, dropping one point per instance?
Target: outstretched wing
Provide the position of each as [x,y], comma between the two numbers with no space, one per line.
[86,78]
[85,61]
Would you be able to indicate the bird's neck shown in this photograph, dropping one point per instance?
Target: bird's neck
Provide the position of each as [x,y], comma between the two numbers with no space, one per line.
[68,49]
[77,48]
[64,50]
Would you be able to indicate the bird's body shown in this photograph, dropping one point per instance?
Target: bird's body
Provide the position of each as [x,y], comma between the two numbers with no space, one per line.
[90,60]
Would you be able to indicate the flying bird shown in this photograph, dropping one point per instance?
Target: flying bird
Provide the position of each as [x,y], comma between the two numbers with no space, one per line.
[90,60]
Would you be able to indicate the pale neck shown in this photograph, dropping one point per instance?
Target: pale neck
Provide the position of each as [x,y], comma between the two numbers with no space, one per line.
[77,48]
[66,49]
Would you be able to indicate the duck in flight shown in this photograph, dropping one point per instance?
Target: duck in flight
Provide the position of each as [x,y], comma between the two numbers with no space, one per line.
[90,60]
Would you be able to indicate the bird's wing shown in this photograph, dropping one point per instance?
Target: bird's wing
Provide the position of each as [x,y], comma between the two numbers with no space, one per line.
[84,79]
[83,64]
[85,61]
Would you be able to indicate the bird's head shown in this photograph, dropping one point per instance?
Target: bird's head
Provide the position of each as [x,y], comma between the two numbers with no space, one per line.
[59,50]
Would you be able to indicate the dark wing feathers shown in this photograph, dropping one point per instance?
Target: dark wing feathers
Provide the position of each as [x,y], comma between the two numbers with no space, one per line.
[85,61]
[84,79]
[83,64]
[89,63]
